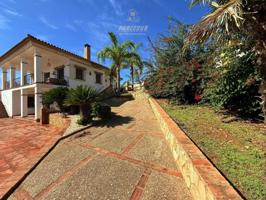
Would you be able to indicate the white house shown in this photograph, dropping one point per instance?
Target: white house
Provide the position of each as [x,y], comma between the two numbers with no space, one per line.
[33,66]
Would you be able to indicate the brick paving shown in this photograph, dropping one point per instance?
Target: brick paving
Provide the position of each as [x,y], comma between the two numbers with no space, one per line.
[127,158]
[22,143]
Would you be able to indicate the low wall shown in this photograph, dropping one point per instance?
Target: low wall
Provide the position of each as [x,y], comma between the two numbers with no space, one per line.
[202,178]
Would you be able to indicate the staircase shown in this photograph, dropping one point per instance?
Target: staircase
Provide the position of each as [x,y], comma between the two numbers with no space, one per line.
[3,113]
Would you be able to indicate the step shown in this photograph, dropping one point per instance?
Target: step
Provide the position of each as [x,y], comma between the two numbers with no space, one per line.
[3,113]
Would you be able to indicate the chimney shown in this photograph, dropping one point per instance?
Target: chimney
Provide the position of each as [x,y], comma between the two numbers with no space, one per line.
[87,52]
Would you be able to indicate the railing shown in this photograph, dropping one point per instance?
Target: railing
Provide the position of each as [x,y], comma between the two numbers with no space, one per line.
[28,79]
[7,84]
[16,82]
[55,80]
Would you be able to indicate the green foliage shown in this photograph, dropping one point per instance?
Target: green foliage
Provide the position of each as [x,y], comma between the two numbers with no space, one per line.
[101,110]
[82,96]
[57,95]
[182,83]
[178,75]
[237,85]
[83,121]
[118,53]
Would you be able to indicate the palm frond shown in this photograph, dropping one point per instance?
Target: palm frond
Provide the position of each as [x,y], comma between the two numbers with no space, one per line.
[105,53]
[196,2]
[82,95]
[128,45]
[221,20]
[113,38]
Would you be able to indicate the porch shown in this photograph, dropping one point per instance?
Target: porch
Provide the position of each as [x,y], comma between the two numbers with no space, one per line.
[25,75]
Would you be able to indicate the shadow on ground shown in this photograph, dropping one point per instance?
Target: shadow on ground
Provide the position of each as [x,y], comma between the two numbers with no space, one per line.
[115,120]
[118,101]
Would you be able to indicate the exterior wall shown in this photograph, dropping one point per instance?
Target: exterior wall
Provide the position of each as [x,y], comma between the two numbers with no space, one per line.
[12,98]
[6,97]
[89,76]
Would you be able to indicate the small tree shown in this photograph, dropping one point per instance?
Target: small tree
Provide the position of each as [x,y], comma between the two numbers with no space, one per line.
[118,53]
[57,95]
[82,96]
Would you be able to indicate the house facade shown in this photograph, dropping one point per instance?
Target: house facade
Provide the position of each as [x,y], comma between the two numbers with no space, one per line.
[33,67]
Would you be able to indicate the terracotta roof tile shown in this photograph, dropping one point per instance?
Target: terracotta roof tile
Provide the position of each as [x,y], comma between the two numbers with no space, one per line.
[49,45]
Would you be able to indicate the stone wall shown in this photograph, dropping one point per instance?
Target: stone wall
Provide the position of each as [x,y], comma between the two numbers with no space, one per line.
[203,179]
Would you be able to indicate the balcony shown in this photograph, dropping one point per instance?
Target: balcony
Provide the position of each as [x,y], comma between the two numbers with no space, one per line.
[29,80]
[57,79]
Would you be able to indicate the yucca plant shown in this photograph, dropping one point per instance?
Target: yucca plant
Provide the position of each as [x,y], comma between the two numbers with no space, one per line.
[82,96]
[118,53]
[229,17]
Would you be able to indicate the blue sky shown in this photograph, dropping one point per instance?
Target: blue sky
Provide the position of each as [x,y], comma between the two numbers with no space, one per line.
[70,24]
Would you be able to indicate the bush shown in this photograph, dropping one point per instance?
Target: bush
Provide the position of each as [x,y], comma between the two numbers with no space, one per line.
[237,86]
[57,95]
[101,110]
[83,121]
[181,83]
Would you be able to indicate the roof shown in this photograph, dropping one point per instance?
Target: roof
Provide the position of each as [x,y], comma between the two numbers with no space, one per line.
[49,45]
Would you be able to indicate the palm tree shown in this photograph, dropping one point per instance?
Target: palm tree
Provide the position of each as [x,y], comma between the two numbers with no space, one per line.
[118,53]
[231,16]
[135,63]
[82,96]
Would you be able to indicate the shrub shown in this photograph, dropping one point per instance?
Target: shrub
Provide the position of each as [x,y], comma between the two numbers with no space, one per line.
[83,121]
[101,110]
[237,87]
[57,95]
[181,83]
[82,96]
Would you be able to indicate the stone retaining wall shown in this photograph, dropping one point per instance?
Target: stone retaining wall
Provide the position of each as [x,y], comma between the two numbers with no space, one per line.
[203,179]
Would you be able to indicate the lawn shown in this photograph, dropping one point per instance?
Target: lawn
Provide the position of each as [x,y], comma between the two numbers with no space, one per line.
[237,148]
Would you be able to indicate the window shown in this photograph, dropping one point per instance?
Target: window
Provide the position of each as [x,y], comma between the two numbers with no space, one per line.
[79,73]
[30,101]
[46,76]
[98,77]
[60,73]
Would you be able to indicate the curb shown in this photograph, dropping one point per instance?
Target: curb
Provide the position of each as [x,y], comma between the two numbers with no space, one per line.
[204,181]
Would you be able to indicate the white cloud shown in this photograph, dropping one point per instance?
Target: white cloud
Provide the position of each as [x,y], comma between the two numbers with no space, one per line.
[4,23]
[11,12]
[116,6]
[47,23]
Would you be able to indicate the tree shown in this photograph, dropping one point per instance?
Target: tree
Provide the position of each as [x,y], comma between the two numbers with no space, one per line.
[170,74]
[230,16]
[118,53]
[82,96]
[135,63]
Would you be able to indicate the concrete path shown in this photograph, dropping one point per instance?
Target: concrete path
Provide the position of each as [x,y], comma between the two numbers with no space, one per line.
[22,143]
[127,158]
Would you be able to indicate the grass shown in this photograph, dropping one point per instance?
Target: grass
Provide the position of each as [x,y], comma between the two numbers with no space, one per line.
[237,148]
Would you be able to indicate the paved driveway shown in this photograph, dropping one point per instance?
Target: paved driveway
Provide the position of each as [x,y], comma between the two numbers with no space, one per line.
[22,143]
[127,158]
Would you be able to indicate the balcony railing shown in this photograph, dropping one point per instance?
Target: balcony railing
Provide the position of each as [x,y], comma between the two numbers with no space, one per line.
[16,82]
[55,80]
[28,79]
